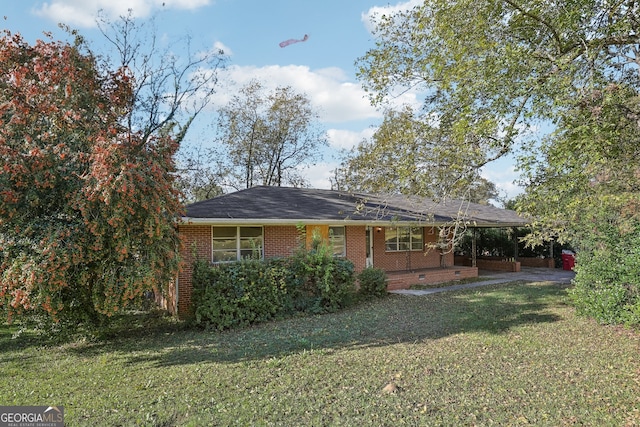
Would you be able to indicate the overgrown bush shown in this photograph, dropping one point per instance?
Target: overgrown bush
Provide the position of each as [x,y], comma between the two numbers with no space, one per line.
[250,291]
[320,283]
[238,293]
[373,282]
[607,282]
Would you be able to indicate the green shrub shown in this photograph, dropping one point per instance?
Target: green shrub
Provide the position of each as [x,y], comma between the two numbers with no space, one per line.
[319,282]
[338,286]
[607,282]
[238,294]
[251,291]
[373,282]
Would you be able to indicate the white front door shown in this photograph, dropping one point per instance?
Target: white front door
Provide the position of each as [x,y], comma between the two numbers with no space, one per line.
[369,261]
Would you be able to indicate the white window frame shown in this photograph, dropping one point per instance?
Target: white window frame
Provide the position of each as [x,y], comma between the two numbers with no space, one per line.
[238,242]
[338,242]
[413,244]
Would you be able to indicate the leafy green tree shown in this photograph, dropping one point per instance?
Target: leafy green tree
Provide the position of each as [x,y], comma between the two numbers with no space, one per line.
[87,207]
[267,137]
[493,70]
[585,190]
[405,156]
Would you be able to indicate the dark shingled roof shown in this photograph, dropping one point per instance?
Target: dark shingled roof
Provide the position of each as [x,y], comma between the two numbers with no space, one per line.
[287,204]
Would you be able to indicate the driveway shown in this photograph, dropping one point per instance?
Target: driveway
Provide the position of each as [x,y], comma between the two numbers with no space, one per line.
[527,274]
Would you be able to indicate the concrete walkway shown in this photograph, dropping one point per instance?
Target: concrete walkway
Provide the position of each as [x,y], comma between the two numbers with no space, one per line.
[528,274]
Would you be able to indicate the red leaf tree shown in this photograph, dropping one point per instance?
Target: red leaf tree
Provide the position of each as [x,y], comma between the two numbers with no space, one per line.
[87,207]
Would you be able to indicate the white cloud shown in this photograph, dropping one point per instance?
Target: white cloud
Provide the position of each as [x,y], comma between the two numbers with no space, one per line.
[219,46]
[346,139]
[335,99]
[214,50]
[83,13]
[320,174]
[504,175]
[370,17]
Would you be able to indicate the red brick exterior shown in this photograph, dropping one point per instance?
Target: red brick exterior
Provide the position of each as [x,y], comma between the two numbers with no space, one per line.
[495,264]
[196,245]
[282,241]
[498,265]
[404,280]
[403,261]
[356,242]
[537,262]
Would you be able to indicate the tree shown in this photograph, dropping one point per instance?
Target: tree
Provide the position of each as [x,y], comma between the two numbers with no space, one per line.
[169,91]
[483,191]
[404,156]
[201,174]
[87,207]
[492,70]
[585,190]
[268,137]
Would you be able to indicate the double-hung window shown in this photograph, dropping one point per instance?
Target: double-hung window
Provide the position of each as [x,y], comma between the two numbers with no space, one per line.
[235,243]
[403,239]
[337,241]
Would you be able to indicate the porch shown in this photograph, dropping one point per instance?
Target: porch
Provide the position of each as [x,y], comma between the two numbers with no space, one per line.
[405,279]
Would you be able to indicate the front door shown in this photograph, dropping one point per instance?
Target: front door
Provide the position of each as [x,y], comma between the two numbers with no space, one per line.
[369,262]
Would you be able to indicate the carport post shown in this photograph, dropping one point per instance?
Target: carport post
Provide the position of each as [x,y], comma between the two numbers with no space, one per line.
[473,247]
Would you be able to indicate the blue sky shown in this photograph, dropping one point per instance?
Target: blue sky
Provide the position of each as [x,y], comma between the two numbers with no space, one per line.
[249,32]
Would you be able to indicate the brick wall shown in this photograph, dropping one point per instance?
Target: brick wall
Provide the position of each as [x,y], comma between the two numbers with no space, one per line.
[412,260]
[280,240]
[356,242]
[196,244]
[491,264]
[404,280]
[537,262]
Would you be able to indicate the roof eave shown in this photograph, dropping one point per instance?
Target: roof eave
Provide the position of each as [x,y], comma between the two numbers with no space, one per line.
[479,224]
[278,221]
[346,221]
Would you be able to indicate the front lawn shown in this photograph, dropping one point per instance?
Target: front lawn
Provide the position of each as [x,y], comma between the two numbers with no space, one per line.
[500,355]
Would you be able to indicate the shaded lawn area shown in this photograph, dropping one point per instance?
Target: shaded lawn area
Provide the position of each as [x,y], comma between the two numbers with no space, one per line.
[501,355]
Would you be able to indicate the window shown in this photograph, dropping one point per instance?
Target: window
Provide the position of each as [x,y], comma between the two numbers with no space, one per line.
[417,241]
[337,241]
[403,239]
[234,243]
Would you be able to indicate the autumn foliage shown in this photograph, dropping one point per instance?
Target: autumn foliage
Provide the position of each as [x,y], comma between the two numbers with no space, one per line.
[87,206]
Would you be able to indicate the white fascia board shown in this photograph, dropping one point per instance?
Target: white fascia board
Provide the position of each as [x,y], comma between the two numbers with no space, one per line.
[379,223]
[498,224]
[271,221]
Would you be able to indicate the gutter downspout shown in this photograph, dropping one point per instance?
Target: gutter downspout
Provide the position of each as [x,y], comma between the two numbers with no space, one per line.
[175,302]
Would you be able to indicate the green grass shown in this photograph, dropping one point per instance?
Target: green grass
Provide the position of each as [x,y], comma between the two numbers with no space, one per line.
[502,355]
